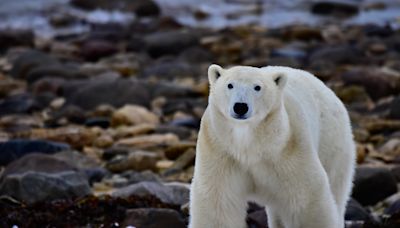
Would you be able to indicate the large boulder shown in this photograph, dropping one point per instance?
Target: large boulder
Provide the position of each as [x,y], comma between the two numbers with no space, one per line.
[40,177]
[373,184]
[16,148]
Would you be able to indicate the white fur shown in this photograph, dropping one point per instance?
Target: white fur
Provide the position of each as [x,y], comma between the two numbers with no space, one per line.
[294,154]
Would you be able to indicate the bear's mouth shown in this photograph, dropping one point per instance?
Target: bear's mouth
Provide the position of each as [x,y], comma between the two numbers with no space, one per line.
[240,117]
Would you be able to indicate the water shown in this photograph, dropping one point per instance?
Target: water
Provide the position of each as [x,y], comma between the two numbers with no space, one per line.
[35,14]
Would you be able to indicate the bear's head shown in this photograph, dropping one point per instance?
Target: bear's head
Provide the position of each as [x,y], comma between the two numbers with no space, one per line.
[244,93]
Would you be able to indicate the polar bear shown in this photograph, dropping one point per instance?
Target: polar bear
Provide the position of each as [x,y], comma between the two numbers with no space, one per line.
[277,136]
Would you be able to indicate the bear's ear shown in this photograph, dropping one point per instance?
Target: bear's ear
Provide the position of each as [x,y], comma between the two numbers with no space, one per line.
[214,72]
[280,79]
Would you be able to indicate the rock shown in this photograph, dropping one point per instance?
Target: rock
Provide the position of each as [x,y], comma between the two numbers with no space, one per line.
[183,161]
[153,218]
[93,50]
[337,54]
[20,103]
[42,163]
[47,85]
[142,8]
[396,172]
[134,177]
[137,160]
[169,69]
[373,184]
[104,141]
[181,132]
[377,82]
[356,212]
[395,108]
[174,194]
[28,61]
[16,148]
[102,122]
[114,92]
[34,187]
[196,55]
[170,42]
[133,115]
[176,150]
[11,37]
[78,160]
[39,177]
[335,7]
[393,208]
[391,147]
[53,71]
[129,131]
[150,140]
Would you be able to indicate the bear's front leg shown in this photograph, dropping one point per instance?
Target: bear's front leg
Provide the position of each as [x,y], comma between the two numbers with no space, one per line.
[311,204]
[218,192]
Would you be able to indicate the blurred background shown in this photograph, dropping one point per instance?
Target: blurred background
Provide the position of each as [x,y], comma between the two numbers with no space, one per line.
[100,101]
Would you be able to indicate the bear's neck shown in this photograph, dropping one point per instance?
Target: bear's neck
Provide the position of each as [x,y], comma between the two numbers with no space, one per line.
[267,139]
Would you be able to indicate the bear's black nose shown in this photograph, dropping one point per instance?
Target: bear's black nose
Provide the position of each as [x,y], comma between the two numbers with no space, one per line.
[240,108]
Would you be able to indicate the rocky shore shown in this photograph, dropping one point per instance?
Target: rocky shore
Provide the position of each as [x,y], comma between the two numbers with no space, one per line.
[98,128]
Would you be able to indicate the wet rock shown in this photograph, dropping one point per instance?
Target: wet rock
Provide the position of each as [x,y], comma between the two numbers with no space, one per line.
[335,7]
[133,115]
[10,38]
[171,42]
[378,83]
[395,108]
[373,184]
[33,187]
[14,149]
[356,212]
[21,103]
[89,95]
[174,194]
[137,160]
[93,50]
[148,141]
[29,60]
[153,218]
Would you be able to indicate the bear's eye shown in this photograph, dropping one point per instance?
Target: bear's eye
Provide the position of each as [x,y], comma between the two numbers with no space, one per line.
[257,88]
[230,86]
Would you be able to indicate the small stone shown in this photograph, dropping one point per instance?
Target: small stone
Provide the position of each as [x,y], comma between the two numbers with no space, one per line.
[93,50]
[183,161]
[164,164]
[103,141]
[150,140]
[174,151]
[356,212]
[138,160]
[133,115]
[129,131]
[391,147]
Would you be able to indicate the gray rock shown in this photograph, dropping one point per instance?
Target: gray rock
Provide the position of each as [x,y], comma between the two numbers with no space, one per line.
[29,60]
[34,187]
[170,42]
[395,108]
[153,218]
[373,184]
[17,148]
[356,212]
[173,194]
